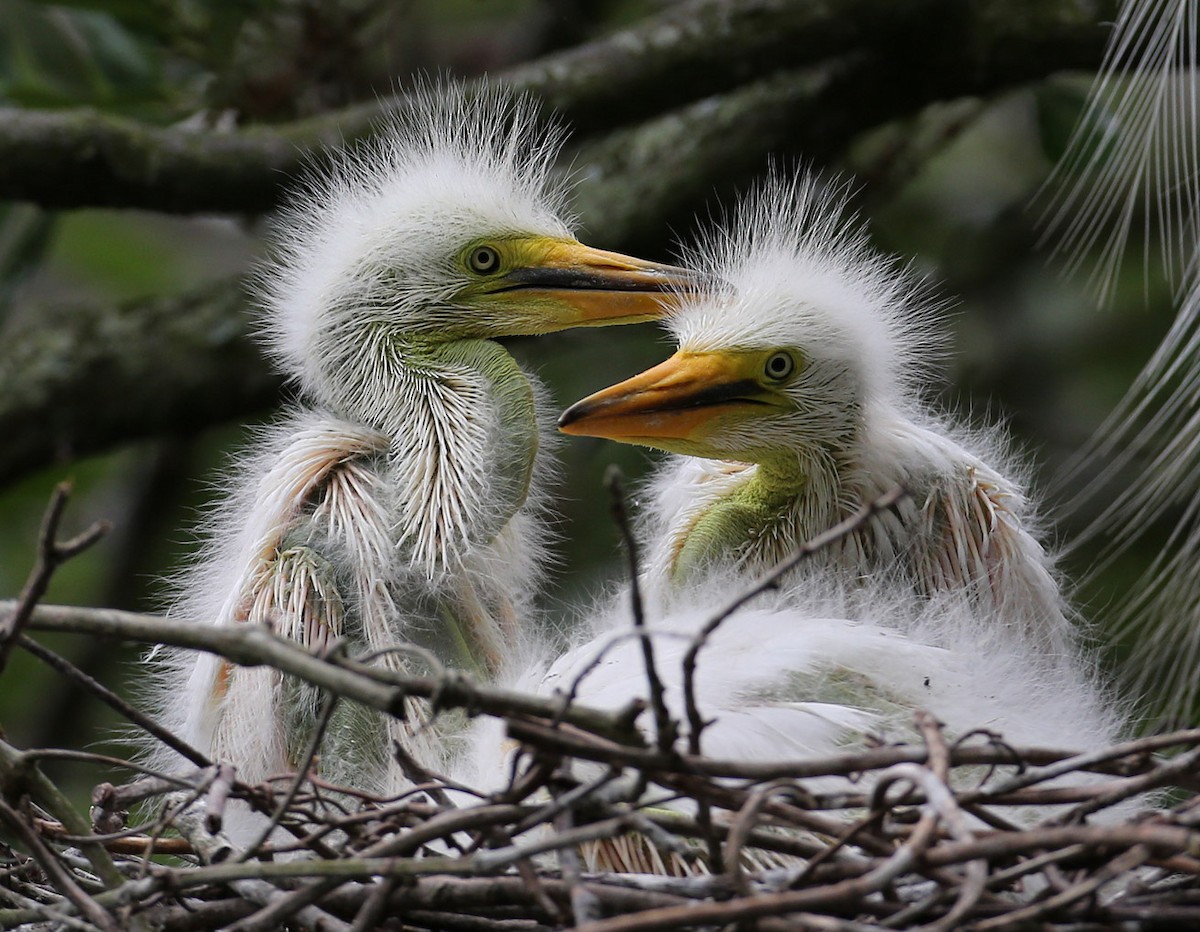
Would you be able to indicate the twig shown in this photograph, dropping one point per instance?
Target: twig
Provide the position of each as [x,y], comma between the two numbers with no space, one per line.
[743,825]
[583,904]
[19,774]
[217,850]
[686,52]
[1127,861]
[62,879]
[567,698]
[941,800]
[423,778]
[50,556]
[374,906]
[696,724]
[499,838]
[777,904]
[113,701]
[39,912]
[218,796]
[666,729]
[302,770]
[251,645]
[133,842]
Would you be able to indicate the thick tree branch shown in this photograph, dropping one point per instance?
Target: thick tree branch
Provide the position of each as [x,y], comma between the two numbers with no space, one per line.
[75,380]
[85,158]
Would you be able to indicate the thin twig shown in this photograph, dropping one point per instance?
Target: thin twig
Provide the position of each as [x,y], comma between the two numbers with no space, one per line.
[61,877]
[696,723]
[302,770]
[50,556]
[113,701]
[666,729]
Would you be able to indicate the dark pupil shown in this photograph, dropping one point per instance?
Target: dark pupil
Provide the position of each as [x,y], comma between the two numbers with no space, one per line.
[484,259]
[778,365]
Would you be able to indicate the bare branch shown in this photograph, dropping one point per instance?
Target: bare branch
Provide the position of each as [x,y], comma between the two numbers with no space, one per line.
[51,553]
[61,877]
[376,688]
[79,378]
[19,776]
[771,580]
[666,730]
[692,50]
[113,701]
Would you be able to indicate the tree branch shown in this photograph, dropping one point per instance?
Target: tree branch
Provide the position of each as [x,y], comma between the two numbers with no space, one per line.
[78,379]
[251,645]
[51,553]
[20,775]
[927,49]
[81,379]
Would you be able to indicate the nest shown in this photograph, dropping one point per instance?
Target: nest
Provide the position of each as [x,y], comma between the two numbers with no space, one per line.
[922,835]
[596,825]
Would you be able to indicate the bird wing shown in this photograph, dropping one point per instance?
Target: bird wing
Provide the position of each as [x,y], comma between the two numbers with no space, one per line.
[973,522]
[319,492]
[310,558]
[965,528]
[774,682]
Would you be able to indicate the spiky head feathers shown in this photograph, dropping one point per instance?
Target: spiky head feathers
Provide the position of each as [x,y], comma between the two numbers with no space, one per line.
[808,333]
[800,274]
[385,233]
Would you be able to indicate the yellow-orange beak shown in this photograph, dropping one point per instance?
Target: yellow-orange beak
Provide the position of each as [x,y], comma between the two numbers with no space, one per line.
[563,283]
[672,401]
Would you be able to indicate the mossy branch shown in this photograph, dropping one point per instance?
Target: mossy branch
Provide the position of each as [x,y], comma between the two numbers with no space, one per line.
[927,49]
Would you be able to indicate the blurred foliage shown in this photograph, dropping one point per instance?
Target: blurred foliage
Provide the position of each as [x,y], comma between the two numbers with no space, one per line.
[950,187]
[52,56]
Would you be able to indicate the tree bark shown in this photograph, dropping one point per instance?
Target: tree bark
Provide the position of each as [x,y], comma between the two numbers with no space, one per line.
[926,48]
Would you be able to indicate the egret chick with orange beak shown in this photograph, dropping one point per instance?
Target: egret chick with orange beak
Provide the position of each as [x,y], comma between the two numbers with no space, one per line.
[794,398]
[402,500]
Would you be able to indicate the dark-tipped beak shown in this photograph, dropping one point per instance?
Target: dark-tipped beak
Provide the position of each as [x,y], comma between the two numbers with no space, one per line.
[603,287]
[668,402]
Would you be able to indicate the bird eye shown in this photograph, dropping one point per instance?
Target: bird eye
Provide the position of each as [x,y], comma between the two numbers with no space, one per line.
[484,259]
[779,366]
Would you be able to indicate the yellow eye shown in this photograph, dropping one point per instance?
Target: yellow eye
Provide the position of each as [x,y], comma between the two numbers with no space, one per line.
[779,366]
[483,260]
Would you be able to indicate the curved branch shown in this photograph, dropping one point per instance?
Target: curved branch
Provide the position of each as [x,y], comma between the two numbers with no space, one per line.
[81,380]
[86,158]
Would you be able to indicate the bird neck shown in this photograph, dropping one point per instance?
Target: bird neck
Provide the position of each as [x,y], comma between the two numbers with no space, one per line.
[787,475]
[756,522]
[462,425]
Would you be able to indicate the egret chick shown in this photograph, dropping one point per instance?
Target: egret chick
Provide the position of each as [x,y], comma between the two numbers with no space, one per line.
[796,395]
[401,500]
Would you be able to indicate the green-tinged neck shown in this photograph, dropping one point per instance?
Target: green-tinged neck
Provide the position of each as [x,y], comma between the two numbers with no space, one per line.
[751,521]
[461,412]
[509,460]
[462,423]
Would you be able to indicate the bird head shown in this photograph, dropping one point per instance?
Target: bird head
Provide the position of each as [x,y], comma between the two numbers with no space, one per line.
[532,283]
[449,224]
[810,329]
